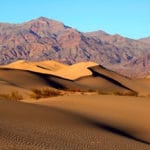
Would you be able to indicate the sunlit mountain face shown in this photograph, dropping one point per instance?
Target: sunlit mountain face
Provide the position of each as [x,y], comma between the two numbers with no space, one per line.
[46,39]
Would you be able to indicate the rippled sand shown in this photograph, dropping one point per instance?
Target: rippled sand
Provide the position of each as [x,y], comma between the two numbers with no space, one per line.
[59,123]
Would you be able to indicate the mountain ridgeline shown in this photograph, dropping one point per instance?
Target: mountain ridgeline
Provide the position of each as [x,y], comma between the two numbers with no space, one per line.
[46,39]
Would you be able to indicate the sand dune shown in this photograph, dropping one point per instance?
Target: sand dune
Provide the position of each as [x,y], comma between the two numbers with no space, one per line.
[50,65]
[30,80]
[23,79]
[102,85]
[119,113]
[7,88]
[69,123]
[81,76]
[47,67]
[137,85]
[81,120]
[20,80]
[77,70]
[54,68]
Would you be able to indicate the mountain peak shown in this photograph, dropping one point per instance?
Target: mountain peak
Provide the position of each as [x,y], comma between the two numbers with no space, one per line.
[47,39]
[43,18]
[97,33]
[44,25]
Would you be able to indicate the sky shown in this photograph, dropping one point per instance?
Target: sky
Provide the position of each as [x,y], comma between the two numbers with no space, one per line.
[129,18]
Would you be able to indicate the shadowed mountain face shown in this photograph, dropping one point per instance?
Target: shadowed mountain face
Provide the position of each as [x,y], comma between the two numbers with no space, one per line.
[45,39]
[136,68]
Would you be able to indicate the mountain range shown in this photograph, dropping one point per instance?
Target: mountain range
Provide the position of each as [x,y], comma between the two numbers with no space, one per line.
[46,39]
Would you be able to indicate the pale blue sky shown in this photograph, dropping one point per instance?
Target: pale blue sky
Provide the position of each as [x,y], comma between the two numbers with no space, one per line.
[130,18]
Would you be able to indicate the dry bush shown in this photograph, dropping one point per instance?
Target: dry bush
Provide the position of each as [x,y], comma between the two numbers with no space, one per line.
[119,93]
[44,93]
[125,94]
[12,96]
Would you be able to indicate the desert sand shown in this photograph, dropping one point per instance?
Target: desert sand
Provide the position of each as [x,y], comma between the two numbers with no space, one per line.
[54,68]
[76,122]
[80,118]
[81,76]
[116,112]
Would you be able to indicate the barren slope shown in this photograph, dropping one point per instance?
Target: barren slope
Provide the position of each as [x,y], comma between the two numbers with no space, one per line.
[118,113]
[70,123]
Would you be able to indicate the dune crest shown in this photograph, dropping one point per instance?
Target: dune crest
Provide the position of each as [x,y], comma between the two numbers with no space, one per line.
[77,70]
[80,76]
[88,105]
[54,68]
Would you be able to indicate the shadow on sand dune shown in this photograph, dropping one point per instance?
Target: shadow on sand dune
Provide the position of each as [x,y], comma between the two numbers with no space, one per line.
[42,127]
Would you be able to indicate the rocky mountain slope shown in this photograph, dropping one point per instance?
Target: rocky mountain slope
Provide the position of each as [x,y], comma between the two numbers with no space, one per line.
[145,40]
[45,39]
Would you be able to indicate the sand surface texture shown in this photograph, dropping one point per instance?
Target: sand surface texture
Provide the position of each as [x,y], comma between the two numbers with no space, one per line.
[75,122]
[95,110]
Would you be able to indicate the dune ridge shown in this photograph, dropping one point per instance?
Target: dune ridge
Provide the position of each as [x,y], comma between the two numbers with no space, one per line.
[94,110]
[53,68]
[85,76]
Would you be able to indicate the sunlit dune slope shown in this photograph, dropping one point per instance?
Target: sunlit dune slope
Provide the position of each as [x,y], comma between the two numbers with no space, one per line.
[77,70]
[129,115]
[54,68]
[70,123]
[42,66]
[18,80]
[80,76]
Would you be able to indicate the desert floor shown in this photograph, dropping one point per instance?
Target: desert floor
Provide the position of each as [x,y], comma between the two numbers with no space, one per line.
[75,121]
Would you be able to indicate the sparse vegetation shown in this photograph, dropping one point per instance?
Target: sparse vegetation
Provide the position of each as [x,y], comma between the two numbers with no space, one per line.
[44,93]
[119,93]
[125,93]
[12,96]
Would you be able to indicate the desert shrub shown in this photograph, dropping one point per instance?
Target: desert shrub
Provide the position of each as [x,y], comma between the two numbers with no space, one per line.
[119,93]
[44,93]
[12,96]
[131,94]
[125,93]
